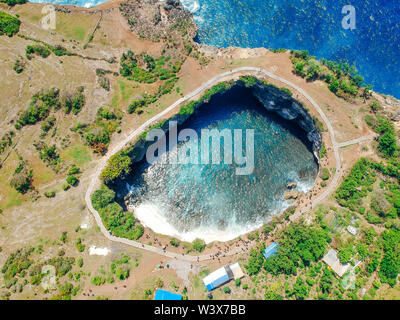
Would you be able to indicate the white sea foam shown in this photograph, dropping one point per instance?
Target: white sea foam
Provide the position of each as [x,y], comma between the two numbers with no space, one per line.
[191,5]
[152,217]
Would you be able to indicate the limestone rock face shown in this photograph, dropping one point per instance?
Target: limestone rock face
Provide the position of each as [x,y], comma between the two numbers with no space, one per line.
[292,195]
[155,20]
[275,100]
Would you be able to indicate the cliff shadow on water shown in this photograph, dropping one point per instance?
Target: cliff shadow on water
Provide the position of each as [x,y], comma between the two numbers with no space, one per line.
[191,198]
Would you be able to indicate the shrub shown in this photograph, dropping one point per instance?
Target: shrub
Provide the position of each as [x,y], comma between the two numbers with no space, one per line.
[49,154]
[13,2]
[325,174]
[50,194]
[40,106]
[73,102]
[174,242]
[72,180]
[98,281]
[118,166]
[73,170]
[22,181]
[18,66]
[227,290]
[63,237]
[79,245]
[375,106]
[199,245]
[102,197]
[299,246]
[288,91]
[9,25]
[37,49]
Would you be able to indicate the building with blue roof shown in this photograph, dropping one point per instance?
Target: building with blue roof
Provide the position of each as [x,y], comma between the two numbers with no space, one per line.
[271,250]
[166,295]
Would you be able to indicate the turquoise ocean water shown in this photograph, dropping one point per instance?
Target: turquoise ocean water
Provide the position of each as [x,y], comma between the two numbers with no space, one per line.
[314,25]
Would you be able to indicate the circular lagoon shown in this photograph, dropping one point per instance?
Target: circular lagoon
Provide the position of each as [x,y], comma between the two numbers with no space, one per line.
[211,201]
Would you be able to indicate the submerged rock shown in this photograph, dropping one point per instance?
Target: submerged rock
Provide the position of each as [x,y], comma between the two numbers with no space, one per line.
[292,195]
[291,185]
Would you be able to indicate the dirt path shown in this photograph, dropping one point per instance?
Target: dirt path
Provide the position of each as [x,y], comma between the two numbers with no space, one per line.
[358,140]
[135,133]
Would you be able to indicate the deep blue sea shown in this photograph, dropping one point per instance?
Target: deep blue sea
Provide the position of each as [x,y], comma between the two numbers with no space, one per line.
[211,201]
[315,25]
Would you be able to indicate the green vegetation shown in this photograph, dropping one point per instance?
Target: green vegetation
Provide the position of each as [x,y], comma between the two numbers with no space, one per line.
[16,264]
[13,2]
[48,154]
[79,245]
[221,87]
[44,50]
[322,151]
[342,79]
[9,25]
[73,102]
[375,106]
[325,174]
[387,145]
[21,269]
[118,166]
[175,242]
[38,50]
[46,100]
[146,69]
[19,66]
[6,140]
[121,224]
[356,185]
[22,178]
[72,180]
[299,246]
[121,268]
[98,280]
[278,50]
[199,245]
[248,81]
[390,264]
[98,134]
[50,194]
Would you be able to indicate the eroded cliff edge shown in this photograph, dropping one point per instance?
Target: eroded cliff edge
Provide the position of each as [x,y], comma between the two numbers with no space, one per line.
[281,103]
[272,98]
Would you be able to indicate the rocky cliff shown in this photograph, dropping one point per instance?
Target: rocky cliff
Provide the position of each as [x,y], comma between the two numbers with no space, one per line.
[273,99]
[278,101]
[155,20]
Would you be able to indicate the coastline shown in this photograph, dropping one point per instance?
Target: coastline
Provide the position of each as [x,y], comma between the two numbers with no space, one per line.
[302,126]
[315,191]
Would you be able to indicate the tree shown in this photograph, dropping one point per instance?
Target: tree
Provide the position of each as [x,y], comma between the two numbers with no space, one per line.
[22,181]
[118,166]
[375,106]
[9,25]
[72,180]
[199,245]
[102,197]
